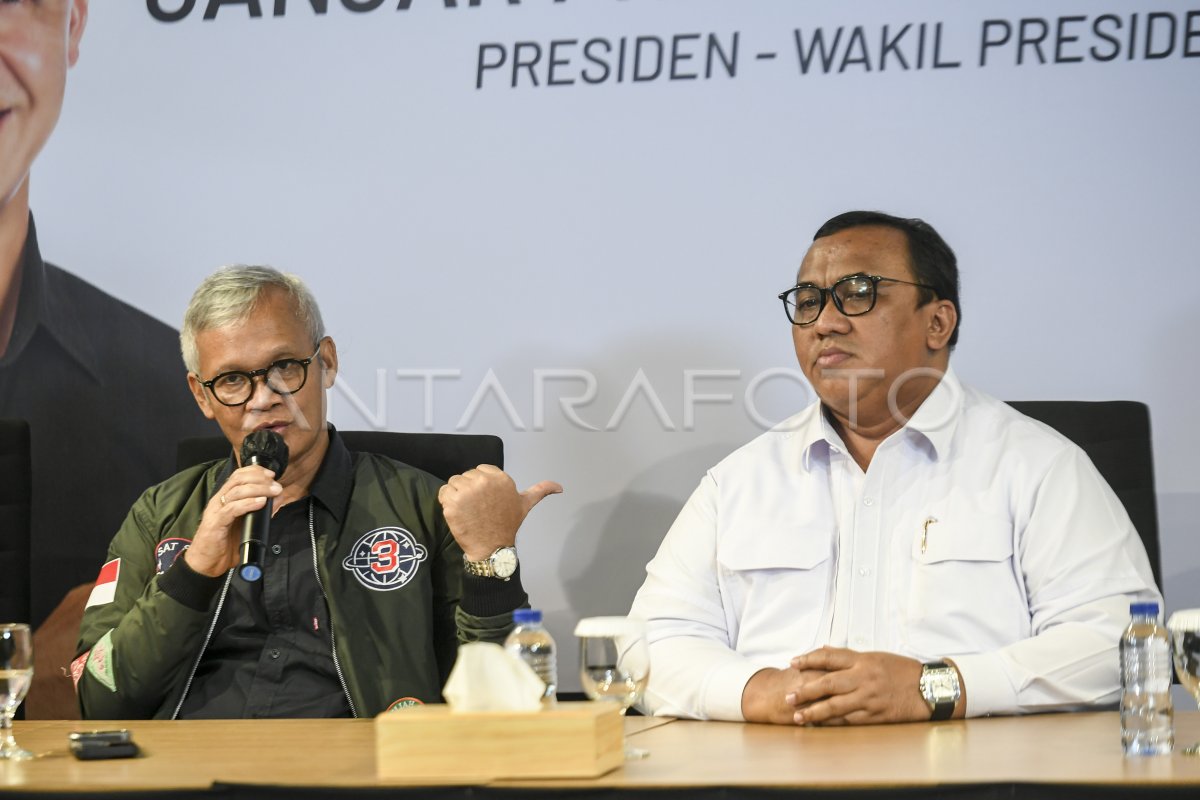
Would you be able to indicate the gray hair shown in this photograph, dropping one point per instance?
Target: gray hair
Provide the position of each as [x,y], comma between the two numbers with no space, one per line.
[229,296]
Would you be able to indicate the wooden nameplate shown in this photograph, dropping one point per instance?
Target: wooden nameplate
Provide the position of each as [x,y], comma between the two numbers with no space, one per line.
[568,740]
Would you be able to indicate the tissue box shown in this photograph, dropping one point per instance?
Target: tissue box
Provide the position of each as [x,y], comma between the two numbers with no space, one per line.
[568,740]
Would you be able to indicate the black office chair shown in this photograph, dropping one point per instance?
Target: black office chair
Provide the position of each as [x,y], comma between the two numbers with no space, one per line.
[440,454]
[16,481]
[1116,436]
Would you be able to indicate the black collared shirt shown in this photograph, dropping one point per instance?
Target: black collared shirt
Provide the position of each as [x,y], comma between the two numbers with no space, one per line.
[271,653]
[104,390]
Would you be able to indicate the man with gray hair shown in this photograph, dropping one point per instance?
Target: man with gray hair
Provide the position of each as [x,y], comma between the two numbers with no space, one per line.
[377,571]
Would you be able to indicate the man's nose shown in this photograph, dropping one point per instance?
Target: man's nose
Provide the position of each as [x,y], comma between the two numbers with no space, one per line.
[831,320]
[263,396]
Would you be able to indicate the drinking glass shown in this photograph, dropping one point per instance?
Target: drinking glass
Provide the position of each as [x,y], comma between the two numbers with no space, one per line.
[1184,627]
[614,663]
[16,673]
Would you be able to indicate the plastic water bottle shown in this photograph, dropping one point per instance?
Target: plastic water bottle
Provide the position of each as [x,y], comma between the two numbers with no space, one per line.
[533,644]
[1147,718]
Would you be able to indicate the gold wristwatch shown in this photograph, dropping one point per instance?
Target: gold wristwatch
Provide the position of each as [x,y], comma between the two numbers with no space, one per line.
[500,564]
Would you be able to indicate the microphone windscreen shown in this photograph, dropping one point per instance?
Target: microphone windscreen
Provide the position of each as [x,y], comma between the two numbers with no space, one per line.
[267,449]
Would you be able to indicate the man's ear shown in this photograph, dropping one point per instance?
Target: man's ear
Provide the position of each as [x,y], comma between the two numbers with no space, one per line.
[942,322]
[329,362]
[201,396]
[76,22]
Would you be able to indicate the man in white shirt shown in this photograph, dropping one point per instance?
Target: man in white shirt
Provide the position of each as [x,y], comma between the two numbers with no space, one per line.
[906,549]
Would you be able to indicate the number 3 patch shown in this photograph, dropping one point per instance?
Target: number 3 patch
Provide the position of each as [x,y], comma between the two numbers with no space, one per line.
[385,558]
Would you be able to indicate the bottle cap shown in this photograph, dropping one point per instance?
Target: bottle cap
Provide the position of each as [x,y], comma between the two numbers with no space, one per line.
[523,616]
[1143,609]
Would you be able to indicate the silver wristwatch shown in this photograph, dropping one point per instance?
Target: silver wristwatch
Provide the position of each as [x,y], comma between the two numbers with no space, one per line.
[940,688]
[500,564]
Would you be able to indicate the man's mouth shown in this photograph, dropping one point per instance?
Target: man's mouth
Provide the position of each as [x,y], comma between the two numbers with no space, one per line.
[832,357]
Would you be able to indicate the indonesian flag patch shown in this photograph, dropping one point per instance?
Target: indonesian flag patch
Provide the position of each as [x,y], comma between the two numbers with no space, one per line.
[105,590]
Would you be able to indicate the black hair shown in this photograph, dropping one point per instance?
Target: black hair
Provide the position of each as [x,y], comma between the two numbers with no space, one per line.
[932,261]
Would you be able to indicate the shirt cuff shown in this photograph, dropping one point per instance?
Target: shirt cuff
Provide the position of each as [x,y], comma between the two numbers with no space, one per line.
[988,688]
[722,694]
[189,588]
[488,597]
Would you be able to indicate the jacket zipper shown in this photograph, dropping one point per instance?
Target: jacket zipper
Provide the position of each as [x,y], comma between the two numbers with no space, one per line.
[337,666]
[207,638]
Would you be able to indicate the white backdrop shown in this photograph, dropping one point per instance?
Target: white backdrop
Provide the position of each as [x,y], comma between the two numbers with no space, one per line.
[634,233]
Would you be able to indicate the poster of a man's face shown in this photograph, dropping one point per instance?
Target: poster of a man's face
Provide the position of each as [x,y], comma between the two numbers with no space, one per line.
[39,42]
[99,382]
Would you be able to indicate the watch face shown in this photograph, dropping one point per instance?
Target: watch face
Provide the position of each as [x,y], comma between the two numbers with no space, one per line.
[940,685]
[504,562]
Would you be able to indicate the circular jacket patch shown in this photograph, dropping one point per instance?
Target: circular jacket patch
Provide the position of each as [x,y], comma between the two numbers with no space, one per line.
[385,558]
[404,702]
[167,551]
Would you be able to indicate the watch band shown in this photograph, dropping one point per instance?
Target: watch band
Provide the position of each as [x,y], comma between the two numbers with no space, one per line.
[480,569]
[942,711]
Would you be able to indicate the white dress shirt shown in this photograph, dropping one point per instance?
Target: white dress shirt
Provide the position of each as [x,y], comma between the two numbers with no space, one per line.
[976,534]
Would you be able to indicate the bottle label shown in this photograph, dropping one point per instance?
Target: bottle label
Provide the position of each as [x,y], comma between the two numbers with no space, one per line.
[1147,667]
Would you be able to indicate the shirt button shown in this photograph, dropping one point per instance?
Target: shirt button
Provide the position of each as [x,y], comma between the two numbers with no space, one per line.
[860,642]
[276,549]
[868,501]
[864,571]
[274,654]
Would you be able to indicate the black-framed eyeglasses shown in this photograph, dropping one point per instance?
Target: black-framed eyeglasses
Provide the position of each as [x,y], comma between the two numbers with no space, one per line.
[285,376]
[853,295]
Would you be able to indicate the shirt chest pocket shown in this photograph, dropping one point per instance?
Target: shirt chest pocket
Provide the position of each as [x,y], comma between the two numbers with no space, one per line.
[982,539]
[965,594]
[775,588]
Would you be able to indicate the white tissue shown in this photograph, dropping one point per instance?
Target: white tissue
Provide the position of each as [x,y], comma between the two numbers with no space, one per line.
[486,677]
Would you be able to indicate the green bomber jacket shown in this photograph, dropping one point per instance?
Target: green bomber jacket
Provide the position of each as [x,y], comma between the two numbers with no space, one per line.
[395,634]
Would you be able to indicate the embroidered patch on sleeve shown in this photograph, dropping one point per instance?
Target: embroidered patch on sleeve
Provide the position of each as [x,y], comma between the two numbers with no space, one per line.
[167,551]
[105,589]
[100,664]
[77,668]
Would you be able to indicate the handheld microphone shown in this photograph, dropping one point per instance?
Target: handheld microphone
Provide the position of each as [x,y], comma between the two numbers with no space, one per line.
[266,449]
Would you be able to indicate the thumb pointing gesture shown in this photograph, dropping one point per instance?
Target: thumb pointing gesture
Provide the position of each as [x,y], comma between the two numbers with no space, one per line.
[484,510]
[537,493]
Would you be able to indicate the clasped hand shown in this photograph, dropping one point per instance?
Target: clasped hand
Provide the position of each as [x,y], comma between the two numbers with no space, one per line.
[848,687]
[836,686]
